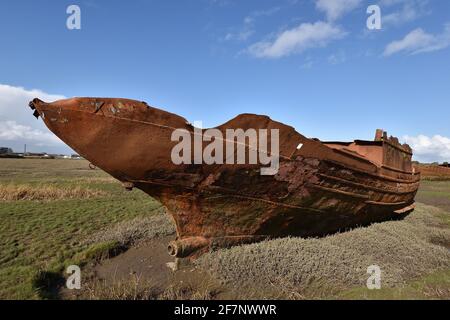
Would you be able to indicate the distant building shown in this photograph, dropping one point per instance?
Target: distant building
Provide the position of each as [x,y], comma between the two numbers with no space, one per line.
[38,155]
[60,156]
[76,157]
[4,150]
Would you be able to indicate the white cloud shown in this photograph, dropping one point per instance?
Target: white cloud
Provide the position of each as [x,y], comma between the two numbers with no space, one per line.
[17,124]
[392,2]
[419,41]
[406,14]
[297,40]
[248,28]
[413,41]
[11,130]
[429,149]
[389,3]
[334,9]
[410,10]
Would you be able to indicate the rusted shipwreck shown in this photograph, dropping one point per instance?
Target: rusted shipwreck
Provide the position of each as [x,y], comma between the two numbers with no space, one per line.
[320,188]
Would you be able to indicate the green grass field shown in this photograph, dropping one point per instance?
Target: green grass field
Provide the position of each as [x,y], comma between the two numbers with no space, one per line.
[38,238]
[55,213]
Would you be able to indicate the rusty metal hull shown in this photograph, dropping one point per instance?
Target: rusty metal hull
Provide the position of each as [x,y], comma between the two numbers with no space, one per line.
[319,189]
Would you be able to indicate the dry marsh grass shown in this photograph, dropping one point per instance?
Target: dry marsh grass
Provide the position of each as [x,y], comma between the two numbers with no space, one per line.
[134,288]
[302,268]
[89,180]
[141,228]
[130,289]
[189,291]
[12,192]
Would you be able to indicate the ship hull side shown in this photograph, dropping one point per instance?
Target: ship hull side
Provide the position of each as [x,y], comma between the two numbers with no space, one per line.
[316,191]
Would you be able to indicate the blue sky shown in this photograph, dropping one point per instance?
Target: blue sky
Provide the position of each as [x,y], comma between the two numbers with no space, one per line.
[312,64]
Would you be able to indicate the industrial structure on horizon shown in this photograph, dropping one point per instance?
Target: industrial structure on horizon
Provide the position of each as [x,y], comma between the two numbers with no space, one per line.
[6,152]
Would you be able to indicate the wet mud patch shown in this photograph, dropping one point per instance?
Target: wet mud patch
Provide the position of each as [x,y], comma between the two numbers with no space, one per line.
[145,272]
